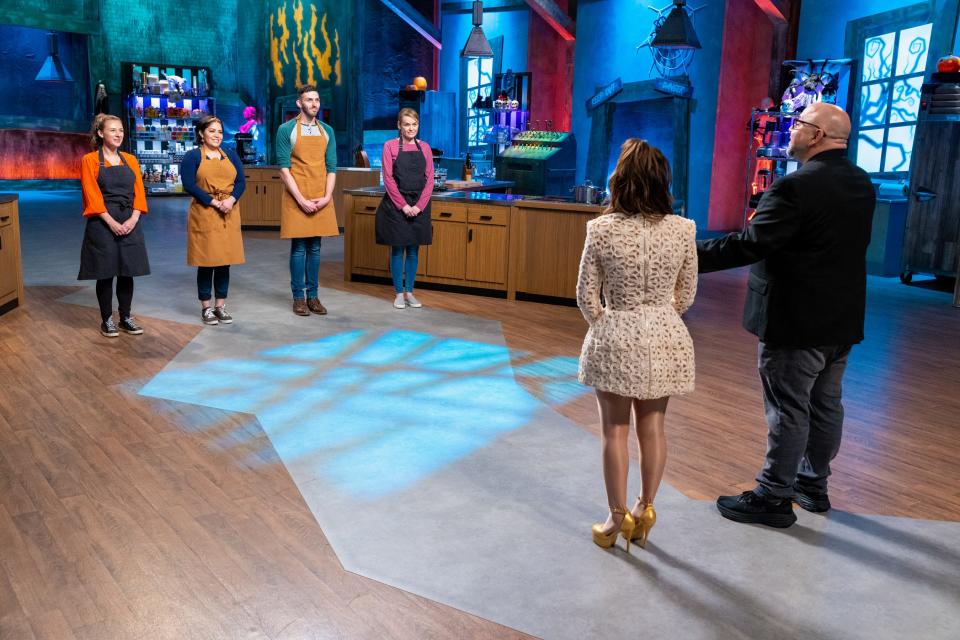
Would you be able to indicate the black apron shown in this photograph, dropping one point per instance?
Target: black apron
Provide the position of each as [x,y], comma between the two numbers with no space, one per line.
[105,255]
[393,227]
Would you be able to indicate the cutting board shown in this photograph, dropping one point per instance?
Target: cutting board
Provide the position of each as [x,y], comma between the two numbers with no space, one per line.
[461,184]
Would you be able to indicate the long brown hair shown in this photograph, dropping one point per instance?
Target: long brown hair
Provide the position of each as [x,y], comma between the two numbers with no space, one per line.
[640,183]
[98,124]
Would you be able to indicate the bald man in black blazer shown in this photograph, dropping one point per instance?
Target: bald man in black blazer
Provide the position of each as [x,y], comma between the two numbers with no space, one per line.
[805,301]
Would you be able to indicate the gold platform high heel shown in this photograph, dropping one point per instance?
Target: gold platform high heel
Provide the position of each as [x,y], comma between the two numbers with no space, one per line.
[625,529]
[644,522]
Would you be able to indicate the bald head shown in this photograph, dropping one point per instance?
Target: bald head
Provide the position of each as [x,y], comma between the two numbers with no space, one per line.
[821,127]
[832,119]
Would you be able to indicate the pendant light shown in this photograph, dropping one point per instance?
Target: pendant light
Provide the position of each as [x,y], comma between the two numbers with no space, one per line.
[477,45]
[677,30]
[53,69]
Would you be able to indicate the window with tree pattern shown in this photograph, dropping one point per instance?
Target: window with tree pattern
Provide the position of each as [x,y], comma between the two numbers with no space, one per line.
[893,68]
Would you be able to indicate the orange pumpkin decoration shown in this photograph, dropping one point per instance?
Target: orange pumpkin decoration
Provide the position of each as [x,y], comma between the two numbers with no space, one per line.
[948,64]
[420,83]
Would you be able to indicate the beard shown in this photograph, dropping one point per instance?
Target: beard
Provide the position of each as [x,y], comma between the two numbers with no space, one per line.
[793,148]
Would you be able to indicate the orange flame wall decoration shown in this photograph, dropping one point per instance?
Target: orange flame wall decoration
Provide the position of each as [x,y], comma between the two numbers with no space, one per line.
[298,43]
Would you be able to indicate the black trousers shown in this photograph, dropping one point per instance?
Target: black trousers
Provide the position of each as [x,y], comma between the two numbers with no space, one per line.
[124,296]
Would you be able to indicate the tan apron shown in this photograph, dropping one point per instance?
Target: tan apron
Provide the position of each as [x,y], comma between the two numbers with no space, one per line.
[308,165]
[214,238]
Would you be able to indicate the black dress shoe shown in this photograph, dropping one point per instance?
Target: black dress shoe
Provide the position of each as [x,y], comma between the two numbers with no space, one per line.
[810,500]
[751,508]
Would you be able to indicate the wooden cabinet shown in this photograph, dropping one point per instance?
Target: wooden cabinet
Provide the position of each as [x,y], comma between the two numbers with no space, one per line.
[260,204]
[11,273]
[486,254]
[546,245]
[486,251]
[527,247]
[351,178]
[446,258]
[367,254]
[932,238]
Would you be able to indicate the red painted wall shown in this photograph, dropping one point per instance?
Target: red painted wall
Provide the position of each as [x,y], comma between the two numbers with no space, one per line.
[550,59]
[744,80]
[41,155]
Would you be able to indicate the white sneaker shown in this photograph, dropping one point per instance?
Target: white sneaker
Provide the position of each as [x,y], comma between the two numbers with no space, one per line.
[399,302]
[412,302]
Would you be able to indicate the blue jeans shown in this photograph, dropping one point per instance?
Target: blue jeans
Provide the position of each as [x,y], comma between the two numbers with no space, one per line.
[218,276]
[404,269]
[304,265]
[802,401]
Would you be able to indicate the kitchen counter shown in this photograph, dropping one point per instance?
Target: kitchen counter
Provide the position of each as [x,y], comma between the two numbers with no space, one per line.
[557,203]
[527,245]
[8,197]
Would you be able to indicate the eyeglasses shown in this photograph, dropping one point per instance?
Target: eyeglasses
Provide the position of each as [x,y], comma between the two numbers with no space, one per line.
[796,125]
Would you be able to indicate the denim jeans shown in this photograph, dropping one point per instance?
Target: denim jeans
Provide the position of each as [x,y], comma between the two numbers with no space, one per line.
[404,269]
[219,277]
[304,266]
[801,399]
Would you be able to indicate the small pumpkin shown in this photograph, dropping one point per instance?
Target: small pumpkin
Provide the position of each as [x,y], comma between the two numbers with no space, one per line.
[420,83]
[948,64]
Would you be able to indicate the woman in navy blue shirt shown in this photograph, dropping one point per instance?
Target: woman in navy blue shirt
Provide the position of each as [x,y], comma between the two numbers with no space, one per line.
[214,177]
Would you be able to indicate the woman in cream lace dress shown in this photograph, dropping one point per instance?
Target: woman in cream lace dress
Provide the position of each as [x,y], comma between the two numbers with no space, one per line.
[637,352]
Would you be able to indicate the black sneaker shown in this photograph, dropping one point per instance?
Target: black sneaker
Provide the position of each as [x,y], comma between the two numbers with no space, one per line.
[222,315]
[208,316]
[811,500]
[108,328]
[130,326]
[751,508]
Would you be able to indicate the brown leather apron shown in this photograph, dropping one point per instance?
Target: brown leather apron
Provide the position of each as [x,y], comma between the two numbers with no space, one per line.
[308,165]
[214,238]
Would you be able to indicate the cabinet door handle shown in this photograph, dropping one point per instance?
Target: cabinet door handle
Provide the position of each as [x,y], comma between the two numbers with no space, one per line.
[469,235]
[445,214]
[4,218]
[370,208]
[486,217]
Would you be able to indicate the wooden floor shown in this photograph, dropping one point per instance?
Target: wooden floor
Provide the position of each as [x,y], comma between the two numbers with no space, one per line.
[118,520]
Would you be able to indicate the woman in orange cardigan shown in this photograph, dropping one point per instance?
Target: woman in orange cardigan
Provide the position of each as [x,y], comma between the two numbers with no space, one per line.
[113,244]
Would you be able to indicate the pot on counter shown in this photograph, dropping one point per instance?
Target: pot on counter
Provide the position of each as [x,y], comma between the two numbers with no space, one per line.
[587,193]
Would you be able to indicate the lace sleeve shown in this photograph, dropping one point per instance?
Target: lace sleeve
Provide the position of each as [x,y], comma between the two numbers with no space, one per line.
[590,278]
[685,288]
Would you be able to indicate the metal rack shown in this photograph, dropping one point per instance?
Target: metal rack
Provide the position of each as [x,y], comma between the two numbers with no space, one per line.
[767,157]
[161,118]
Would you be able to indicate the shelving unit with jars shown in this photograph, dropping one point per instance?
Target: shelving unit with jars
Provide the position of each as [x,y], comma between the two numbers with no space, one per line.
[767,158]
[161,108]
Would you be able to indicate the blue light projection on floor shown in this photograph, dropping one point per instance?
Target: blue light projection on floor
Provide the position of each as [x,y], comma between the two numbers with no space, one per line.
[374,412]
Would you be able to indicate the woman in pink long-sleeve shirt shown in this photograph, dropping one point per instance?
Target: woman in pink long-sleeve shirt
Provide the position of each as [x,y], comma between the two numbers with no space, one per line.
[403,217]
